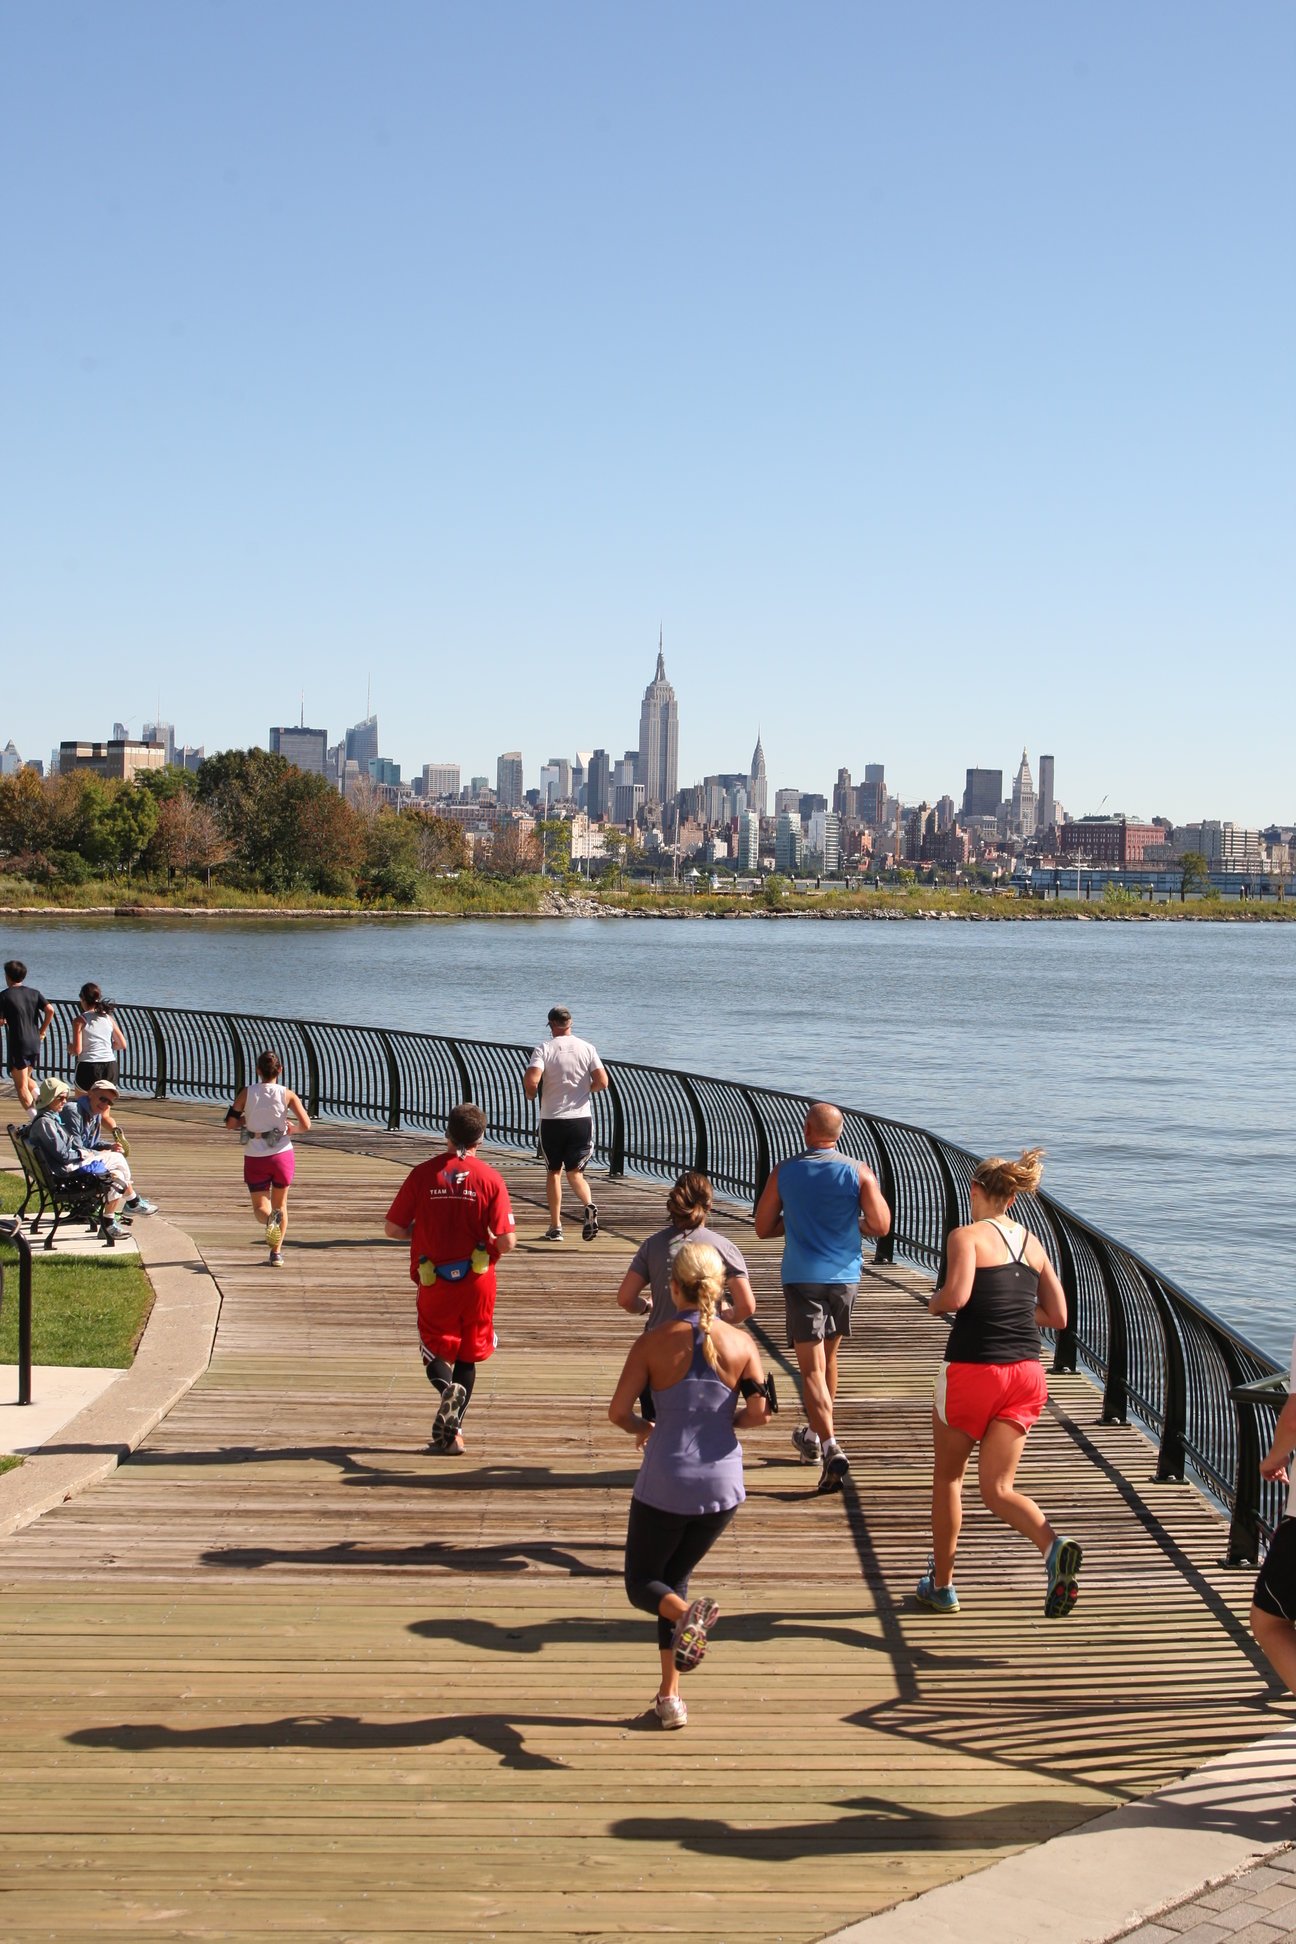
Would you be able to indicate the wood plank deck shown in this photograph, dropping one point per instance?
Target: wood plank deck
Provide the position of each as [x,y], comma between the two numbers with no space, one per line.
[288,1675]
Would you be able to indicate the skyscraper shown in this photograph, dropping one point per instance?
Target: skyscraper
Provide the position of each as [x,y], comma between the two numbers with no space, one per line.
[362,743]
[160,732]
[1046,809]
[758,788]
[1023,800]
[306,748]
[983,793]
[598,784]
[508,779]
[870,797]
[659,738]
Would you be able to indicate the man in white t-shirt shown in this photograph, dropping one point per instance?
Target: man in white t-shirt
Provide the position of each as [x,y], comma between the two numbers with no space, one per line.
[565,1071]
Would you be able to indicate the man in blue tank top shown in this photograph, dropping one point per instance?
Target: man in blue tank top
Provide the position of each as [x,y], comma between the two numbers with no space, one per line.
[822,1203]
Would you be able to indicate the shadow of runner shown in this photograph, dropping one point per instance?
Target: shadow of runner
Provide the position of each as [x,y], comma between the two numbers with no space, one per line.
[879,1824]
[432,1552]
[496,1733]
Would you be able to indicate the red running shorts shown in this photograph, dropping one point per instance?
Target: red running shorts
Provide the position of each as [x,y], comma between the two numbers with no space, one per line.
[970,1396]
[456,1320]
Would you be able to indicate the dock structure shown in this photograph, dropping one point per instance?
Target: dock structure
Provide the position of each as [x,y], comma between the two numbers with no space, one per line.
[288,1674]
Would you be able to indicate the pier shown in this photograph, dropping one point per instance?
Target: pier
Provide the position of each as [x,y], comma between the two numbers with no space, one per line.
[286,1673]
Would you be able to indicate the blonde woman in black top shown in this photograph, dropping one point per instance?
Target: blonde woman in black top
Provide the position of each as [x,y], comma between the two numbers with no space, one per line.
[999,1288]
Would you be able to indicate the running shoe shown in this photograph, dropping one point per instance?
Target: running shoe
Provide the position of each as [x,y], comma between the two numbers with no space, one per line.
[112,1231]
[589,1227]
[941,1599]
[453,1400]
[691,1630]
[807,1445]
[1063,1563]
[670,1710]
[276,1258]
[274,1230]
[454,1449]
[834,1473]
[138,1206]
[552,1235]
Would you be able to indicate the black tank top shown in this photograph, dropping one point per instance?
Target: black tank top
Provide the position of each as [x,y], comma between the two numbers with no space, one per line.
[997,1323]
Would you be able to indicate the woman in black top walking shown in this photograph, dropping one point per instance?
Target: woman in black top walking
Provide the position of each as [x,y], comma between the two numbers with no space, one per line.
[999,1287]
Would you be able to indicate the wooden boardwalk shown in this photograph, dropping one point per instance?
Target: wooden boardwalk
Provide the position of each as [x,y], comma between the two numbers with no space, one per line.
[288,1675]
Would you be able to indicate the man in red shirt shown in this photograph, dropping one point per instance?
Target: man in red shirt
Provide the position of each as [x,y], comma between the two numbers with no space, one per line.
[454,1211]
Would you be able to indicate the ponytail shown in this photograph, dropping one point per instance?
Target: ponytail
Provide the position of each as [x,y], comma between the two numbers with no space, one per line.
[1000,1180]
[699,1274]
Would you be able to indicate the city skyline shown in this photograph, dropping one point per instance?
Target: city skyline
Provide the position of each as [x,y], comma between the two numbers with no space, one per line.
[927,372]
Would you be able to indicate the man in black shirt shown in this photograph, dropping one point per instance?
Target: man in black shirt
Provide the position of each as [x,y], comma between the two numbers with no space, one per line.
[25,1015]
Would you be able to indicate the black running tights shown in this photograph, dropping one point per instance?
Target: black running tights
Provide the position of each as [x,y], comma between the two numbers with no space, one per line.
[662,1548]
[442,1375]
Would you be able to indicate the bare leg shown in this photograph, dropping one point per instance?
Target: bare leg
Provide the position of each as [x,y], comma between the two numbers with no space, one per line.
[260,1205]
[815,1394]
[670,1609]
[830,1366]
[1001,1449]
[579,1187]
[1276,1640]
[24,1079]
[279,1202]
[953,1449]
[553,1193]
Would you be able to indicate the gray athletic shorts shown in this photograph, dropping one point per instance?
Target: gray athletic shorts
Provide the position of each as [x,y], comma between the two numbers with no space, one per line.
[818,1310]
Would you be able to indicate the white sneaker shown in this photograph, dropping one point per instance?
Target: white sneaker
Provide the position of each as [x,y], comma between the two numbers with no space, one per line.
[670,1710]
[274,1231]
[807,1445]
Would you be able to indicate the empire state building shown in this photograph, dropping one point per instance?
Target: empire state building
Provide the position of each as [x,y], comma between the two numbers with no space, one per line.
[659,738]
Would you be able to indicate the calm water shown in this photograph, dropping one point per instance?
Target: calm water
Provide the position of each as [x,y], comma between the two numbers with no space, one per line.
[1154,1062]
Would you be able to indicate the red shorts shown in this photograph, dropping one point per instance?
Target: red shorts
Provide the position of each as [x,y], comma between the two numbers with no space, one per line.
[970,1396]
[456,1320]
[263,1171]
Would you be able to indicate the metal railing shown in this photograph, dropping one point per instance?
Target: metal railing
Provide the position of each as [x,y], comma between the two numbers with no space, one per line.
[1159,1358]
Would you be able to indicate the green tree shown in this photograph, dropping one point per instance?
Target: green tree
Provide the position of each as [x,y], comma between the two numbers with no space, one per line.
[555,834]
[773,891]
[25,815]
[1194,870]
[287,830]
[440,841]
[390,866]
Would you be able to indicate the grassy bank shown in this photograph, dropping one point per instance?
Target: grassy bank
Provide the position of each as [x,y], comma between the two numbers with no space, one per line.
[87,1311]
[475,896]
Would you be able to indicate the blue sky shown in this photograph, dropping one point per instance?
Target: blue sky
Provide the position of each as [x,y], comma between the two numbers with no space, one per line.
[927,372]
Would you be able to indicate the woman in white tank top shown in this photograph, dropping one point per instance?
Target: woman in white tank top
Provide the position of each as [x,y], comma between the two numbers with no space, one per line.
[266,1113]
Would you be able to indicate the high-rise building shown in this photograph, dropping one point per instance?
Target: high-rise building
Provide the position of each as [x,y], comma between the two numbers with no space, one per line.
[306,749]
[808,802]
[121,733]
[580,777]
[119,758]
[983,793]
[831,843]
[757,785]
[508,779]
[191,756]
[870,797]
[559,772]
[362,743]
[440,780]
[598,784]
[843,801]
[787,843]
[10,761]
[1046,809]
[1023,800]
[383,770]
[749,841]
[160,732]
[658,768]
[627,802]
[787,803]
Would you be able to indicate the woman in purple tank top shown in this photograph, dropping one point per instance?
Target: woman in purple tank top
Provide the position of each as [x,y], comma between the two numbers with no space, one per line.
[691,1481]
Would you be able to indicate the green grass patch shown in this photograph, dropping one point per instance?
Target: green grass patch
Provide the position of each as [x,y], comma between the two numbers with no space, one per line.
[88,1312]
[8,1463]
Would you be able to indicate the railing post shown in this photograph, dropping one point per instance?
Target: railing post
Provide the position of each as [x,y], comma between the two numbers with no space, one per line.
[461,1068]
[393,1083]
[240,1065]
[1174,1424]
[885,1250]
[1244,1524]
[159,1055]
[762,1146]
[1115,1404]
[312,1070]
[617,1156]
[1065,1349]
[701,1159]
[951,1211]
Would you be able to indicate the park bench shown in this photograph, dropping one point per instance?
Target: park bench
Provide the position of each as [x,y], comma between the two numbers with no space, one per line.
[80,1199]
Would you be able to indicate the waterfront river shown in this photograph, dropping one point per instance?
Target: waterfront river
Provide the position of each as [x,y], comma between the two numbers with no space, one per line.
[1154,1062]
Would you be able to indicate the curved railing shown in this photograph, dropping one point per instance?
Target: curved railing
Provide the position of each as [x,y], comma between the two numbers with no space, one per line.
[1158,1356]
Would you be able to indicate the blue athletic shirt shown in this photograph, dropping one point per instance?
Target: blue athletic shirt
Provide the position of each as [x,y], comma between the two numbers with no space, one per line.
[820,1193]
